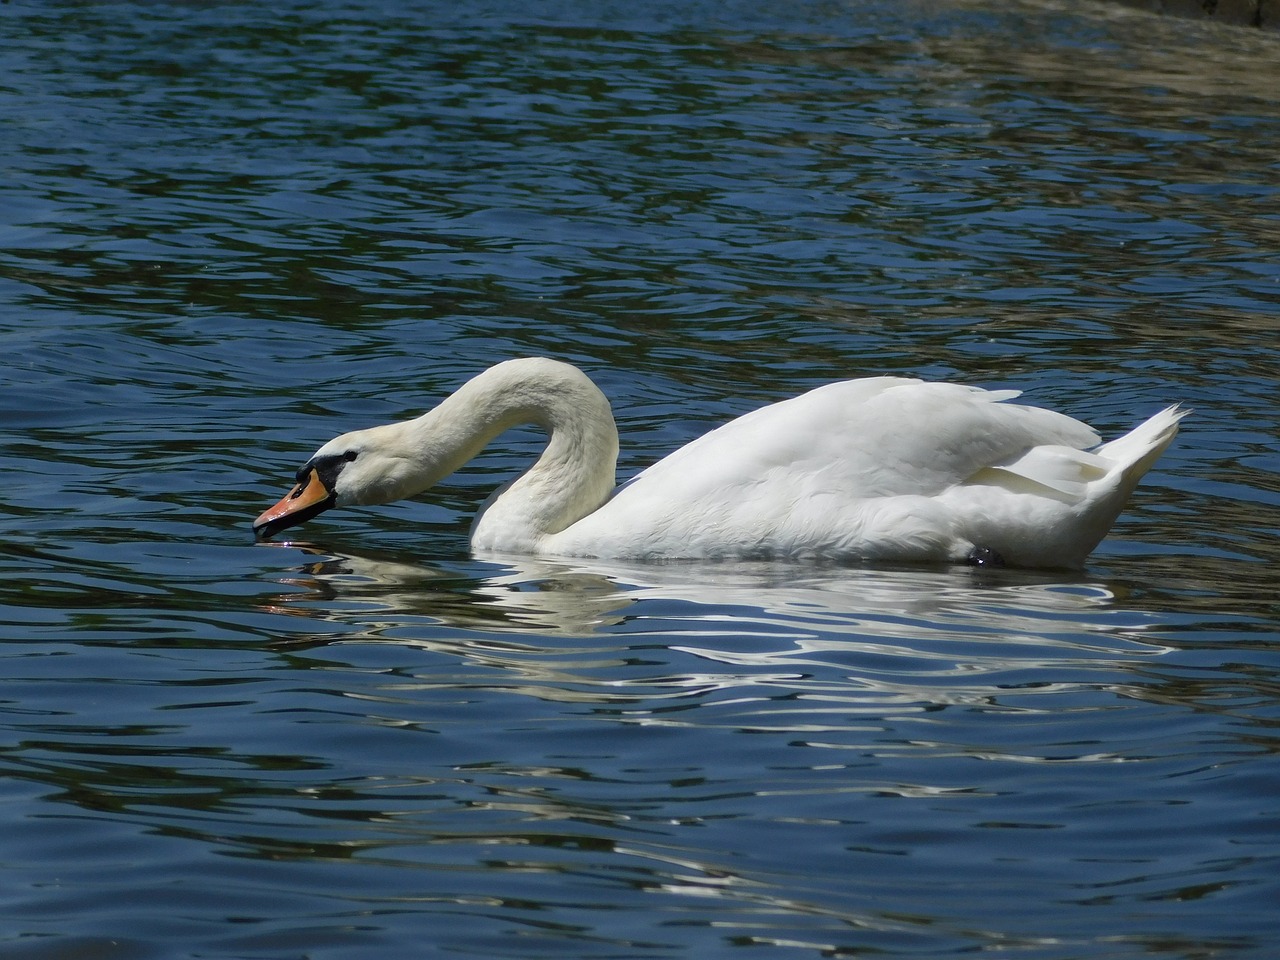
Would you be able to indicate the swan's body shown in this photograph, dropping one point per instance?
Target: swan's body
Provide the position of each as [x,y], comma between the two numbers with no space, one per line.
[884,468]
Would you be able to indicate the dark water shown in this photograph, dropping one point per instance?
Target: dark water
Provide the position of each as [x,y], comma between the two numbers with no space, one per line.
[231,230]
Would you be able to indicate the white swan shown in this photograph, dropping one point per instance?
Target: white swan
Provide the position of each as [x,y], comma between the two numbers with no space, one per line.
[884,468]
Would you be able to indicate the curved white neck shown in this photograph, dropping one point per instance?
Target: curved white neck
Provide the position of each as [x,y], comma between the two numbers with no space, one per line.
[573,476]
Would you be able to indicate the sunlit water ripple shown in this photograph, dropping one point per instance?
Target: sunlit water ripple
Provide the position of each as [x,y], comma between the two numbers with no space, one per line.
[232,230]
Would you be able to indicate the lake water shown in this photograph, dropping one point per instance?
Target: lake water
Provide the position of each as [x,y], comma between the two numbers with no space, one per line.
[231,230]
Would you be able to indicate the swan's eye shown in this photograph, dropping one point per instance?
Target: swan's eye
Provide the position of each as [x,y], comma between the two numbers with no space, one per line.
[350,455]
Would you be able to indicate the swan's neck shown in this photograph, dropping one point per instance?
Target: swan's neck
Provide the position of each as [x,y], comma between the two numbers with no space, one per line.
[573,476]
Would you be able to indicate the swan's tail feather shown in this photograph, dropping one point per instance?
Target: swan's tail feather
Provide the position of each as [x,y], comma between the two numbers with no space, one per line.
[1090,486]
[1069,475]
[1137,451]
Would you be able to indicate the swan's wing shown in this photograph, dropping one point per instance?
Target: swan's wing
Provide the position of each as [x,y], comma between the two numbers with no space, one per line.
[860,439]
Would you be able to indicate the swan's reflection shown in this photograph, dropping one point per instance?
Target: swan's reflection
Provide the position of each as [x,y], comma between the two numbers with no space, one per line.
[521,596]
[811,608]
[759,647]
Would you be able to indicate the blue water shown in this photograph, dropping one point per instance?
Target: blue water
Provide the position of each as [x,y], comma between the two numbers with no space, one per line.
[229,231]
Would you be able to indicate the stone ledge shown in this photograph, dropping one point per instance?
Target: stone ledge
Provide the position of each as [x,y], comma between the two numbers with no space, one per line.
[1249,13]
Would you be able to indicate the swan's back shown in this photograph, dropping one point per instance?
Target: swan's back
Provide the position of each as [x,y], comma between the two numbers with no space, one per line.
[882,436]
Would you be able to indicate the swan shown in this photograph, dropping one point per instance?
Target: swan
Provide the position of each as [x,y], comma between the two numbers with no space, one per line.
[883,468]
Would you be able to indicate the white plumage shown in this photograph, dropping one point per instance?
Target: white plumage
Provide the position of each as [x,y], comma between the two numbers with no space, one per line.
[883,468]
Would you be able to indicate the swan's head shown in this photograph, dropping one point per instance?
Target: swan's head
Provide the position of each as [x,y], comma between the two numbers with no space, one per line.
[362,467]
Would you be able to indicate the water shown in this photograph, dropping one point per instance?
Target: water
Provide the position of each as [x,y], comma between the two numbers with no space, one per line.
[231,230]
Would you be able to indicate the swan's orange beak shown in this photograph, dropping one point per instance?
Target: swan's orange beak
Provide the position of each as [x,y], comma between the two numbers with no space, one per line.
[307,499]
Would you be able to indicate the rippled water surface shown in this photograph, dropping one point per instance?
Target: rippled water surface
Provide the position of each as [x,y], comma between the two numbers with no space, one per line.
[231,230]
